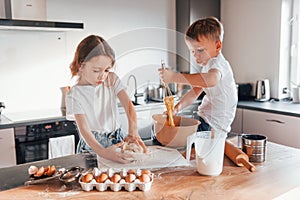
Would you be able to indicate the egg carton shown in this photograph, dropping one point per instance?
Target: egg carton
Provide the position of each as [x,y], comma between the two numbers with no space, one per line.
[109,184]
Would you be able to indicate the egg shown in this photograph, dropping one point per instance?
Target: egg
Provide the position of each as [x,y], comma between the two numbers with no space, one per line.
[50,171]
[130,171]
[115,178]
[61,170]
[102,178]
[46,169]
[144,178]
[40,172]
[32,169]
[130,178]
[87,178]
[146,171]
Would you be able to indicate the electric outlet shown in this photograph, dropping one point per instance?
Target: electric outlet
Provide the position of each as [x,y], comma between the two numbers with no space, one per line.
[284,90]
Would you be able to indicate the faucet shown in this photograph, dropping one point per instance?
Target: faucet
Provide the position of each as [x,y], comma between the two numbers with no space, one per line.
[136,95]
[1,107]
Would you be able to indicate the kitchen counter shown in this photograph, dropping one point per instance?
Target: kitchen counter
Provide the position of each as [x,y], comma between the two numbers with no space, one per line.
[278,176]
[17,119]
[278,107]
[11,120]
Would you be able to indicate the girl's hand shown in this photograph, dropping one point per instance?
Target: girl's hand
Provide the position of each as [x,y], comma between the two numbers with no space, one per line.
[137,140]
[166,75]
[111,153]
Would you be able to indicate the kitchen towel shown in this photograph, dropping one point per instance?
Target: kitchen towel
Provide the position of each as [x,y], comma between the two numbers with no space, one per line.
[158,157]
[61,146]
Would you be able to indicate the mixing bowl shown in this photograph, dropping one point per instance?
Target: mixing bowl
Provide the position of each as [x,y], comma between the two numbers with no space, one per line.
[175,136]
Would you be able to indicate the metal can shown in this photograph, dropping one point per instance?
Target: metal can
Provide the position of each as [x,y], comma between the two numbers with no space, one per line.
[254,146]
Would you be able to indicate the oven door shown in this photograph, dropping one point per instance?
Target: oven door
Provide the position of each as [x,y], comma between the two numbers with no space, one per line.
[29,151]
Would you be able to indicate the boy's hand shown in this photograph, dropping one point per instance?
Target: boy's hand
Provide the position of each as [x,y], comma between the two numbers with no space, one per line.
[166,75]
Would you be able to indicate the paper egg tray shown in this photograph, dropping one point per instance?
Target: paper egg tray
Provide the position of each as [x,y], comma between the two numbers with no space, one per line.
[108,184]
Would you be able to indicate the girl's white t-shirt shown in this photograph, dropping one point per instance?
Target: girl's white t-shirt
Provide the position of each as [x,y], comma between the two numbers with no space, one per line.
[98,103]
[218,106]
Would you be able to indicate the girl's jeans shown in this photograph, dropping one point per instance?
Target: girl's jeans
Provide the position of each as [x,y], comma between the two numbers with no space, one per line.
[105,139]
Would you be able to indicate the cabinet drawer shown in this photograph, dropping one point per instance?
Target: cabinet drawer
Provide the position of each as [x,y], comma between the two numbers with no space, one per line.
[237,124]
[278,128]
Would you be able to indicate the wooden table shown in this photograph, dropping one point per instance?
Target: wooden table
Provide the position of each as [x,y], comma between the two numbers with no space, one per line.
[278,177]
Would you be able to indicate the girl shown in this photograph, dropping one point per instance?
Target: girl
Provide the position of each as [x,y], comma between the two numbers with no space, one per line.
[92,102]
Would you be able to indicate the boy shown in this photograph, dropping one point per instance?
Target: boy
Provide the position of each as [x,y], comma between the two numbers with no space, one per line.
[217,109]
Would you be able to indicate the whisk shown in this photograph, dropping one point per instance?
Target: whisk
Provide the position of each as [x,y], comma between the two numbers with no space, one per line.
[168,91]
[168,99]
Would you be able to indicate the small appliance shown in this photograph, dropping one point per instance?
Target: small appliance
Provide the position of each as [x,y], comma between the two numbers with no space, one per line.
[244,91]
[262,90]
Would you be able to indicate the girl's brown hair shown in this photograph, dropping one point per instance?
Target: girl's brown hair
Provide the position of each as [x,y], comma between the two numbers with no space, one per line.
[209,27]
[88,48]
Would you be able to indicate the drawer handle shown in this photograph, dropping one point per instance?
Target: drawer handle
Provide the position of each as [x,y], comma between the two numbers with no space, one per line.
[275,120]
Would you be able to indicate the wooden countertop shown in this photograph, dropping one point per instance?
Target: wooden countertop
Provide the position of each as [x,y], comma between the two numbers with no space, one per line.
[278,177]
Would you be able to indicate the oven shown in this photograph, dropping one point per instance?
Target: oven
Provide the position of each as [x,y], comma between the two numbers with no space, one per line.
[32,140]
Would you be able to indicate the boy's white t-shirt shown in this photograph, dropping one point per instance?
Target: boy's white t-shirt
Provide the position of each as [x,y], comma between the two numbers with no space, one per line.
[218,106]
[98,103]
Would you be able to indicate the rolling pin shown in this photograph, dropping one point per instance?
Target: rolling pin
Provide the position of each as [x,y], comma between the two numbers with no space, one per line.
[238,156]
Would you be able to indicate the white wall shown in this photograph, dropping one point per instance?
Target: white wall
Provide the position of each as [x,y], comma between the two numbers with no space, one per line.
[34,64]
[255,42]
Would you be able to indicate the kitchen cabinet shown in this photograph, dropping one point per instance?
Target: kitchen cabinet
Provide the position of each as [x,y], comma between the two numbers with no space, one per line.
[282,129]
[278,128]
[7,147]
[237,124]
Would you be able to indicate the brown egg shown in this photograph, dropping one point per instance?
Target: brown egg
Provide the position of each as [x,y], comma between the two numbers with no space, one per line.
[115,178]
[50,171]
[102,178]
[87,178]
[130,171]
[130,178]
[40,172]
[46,169]
[144,178]
[146,171]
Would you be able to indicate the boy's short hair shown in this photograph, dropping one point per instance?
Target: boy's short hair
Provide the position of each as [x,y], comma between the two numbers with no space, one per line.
[209,27]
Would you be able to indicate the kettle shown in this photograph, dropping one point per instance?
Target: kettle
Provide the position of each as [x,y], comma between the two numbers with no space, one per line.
[262,90]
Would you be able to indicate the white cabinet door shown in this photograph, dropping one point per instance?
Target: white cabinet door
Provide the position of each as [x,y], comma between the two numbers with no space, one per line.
[278,128]
[237,124]
[7,148]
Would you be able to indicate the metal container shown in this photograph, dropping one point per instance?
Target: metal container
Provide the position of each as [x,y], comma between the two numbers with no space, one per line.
[153,93]
[262,90]
[254,146]
[71,176]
